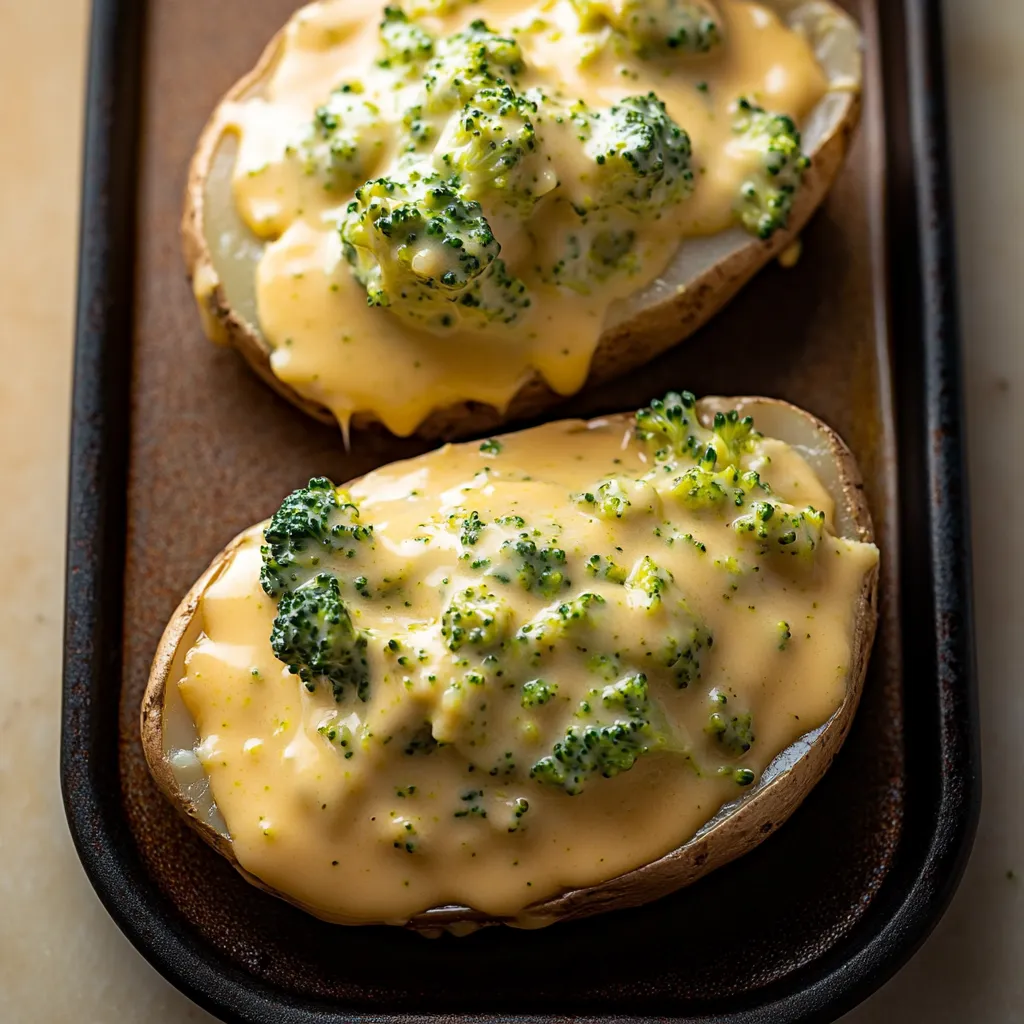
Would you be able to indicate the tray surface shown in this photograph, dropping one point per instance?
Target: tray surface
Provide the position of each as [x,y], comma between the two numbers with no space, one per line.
[798,930]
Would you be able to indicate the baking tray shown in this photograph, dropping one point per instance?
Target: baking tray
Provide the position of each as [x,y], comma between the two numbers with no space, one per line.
[176,447]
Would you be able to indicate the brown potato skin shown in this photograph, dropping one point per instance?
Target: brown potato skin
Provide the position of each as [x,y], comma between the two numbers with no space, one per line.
[621,349]
[741,831]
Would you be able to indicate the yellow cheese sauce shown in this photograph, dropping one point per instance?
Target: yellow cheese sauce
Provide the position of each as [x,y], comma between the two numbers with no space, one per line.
[434,790]
[334,348]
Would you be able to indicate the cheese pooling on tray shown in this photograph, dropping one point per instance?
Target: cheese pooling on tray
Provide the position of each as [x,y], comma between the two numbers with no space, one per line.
[455,194]
[506,669]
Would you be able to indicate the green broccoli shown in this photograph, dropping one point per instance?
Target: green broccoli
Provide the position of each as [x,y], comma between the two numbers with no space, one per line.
[700,489]
[629,695]
[647,584]
[467,62]
[733,436]
[398,235]
[684,26]
[421,250]
[666,423]
[470,528]
[313,523]
[686,638]
[733,733]
[403,41]
[314,636]
[641,156]
[781,529]
[773,143]
[608,500]
[537,693]
[537,568]
[687,643]
[606,569]
[551,624]
[345,140]
[607,749]
[486,146]
[475,617]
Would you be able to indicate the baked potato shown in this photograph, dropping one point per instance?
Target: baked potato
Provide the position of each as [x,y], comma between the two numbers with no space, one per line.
[765,744]
[338,360]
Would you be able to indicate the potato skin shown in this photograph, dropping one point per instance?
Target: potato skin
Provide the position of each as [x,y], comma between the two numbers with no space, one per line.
[623,348]
[741,831]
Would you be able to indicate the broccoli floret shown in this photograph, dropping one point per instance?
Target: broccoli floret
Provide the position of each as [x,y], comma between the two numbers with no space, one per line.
[550,625]
[312,523]
[585,751]
[686,638]
[421,250]
[641,156]
[773,143]
[629,695]
[340,736]
[403,41]
[539,569]
[537,693]
[608,500]
[314,636]
[475,617]
[666,425]
[603,749]
[733,436]
[781,529]
[401,235]
[470,529]
[486,146]
[701,489]
[467,62]
[606,568]
[655,26]
[345,140]
[686,644]
[647,584]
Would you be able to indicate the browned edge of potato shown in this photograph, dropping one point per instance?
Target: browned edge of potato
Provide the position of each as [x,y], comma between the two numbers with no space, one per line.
[760,814]
[624,347]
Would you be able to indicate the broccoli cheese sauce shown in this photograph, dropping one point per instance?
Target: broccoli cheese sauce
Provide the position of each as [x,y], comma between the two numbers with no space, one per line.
[335,349]
[633,607]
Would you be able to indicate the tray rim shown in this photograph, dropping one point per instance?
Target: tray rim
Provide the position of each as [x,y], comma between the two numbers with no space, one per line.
[96,516]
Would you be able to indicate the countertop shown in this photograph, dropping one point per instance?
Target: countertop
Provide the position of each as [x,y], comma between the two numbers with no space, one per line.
[61,957]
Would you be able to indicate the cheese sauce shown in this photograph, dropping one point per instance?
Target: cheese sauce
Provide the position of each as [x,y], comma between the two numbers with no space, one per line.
[440,787]
[334,348]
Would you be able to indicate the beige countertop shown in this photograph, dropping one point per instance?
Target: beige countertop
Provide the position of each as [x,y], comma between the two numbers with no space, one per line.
[61,957]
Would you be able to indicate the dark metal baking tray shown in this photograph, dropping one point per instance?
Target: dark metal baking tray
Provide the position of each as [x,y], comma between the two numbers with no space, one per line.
[176,446]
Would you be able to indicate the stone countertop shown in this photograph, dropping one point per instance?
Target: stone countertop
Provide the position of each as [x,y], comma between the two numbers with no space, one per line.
[61,957]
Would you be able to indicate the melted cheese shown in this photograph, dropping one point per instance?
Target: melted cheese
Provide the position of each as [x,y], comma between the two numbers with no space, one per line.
[331,347]
[363,825]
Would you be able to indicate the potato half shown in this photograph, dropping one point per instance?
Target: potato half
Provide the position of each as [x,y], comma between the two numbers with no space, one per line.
[706,272]
[168,733]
